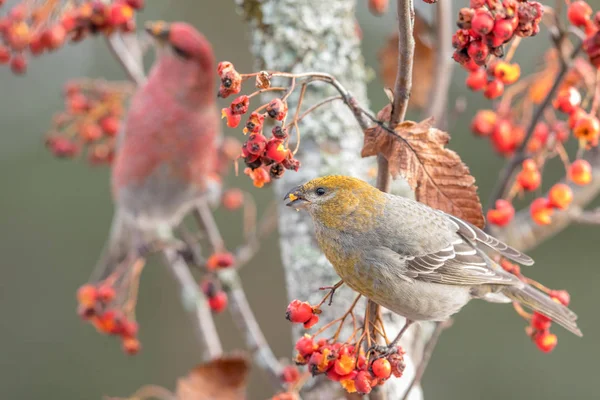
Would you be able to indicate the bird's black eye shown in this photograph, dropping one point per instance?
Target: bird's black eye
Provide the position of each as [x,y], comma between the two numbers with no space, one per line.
[181,53]
[320,191]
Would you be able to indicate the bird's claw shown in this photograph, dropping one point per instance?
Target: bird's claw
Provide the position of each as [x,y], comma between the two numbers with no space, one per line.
[381,351]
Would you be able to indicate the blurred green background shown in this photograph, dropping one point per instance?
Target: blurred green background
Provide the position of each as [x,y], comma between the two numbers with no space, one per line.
[55,214]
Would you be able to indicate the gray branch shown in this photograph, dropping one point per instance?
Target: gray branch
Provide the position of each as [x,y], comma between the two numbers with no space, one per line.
[314,35]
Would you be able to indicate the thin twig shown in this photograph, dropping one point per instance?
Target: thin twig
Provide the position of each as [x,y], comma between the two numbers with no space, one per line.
[508,170]
[129,61]
[195,302]
[406,50]
[438,99]
[241,312]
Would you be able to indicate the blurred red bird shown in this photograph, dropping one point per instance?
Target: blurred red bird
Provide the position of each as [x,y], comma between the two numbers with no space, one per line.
[167,152]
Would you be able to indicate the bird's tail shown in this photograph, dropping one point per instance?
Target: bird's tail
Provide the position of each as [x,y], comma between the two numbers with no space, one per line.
[540,302]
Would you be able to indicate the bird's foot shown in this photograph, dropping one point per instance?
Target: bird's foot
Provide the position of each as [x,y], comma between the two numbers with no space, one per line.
[382,351]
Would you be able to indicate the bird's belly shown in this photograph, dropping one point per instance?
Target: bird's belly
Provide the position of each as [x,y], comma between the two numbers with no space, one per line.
[418,301]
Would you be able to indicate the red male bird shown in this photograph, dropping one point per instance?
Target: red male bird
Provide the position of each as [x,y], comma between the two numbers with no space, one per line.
[166,153]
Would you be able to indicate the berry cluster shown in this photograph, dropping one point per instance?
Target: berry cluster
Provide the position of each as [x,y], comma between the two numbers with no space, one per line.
[484,28]
[539,324]
[265,158]
[97,304]
[91,119]
[36,26]
[347,364]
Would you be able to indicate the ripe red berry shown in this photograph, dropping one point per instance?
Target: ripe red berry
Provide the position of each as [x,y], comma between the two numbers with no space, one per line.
[529,178]
[560,196]
[290,374]
[541,211]
[129,329]
[540,321]
[220,260]
[562,296]
[131,346]
[87,295]
[378,7]
[580,172]
[53,37]
[218,302]
[311,322]
[276,151]
[567,100]
[477,80]
[233,199]
[579,13]
[382,368]
[305,345]
[503,29]
[363,382]
[90,132]
[299,311]
[502,214]
[4,54]
[120,14]
[484,122]
[494,89]
[256,144]
[478,51]
[482,22]
[277,109]
[240,105]
[106,293]
[110,125]
[503,137]
[233,120]
[545,341]
[18,64]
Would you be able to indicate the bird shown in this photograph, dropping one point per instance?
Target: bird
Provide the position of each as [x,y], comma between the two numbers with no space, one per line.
[166,154]
[416,261]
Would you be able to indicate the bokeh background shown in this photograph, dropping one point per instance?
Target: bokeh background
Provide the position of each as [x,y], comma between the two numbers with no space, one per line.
[54,216]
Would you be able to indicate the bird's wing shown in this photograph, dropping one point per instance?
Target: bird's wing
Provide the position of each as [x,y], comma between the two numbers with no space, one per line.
[460,263]
[475,234]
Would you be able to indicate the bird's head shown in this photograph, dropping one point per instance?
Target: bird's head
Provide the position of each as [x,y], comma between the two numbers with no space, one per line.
[184,57]
[337,200]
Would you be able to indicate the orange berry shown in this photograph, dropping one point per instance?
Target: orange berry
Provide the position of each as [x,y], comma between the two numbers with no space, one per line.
[507,73]
[131,346]
[344,364]
[382,368]
[575,116]
[580,172]
[502,214]
[484,122]
[587,128]
[87,295]
[546,341]
[541,211]
[560,196]
[90,132]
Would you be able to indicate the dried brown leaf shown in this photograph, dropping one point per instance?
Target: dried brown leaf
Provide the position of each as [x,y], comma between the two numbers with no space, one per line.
[220,379]
[437,175]
[423,64]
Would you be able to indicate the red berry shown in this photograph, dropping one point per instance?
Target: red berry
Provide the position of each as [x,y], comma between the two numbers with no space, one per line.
[502,214]
[311,322]
[54,37]
[233,199]
[567,100]
[106,293]
[240,105]
[579,13]
[545,341]
[18,64]
[218,302]
[277,109]
[580,172]
[305,345]
[276,150]
[77,103]
[120,14]
[4,55]
[299,312]
[110,125]
[220,260]
[503,29]
[363,382]
[478,51]
[129,328]
[587,128]
[382,368]
[562,296]
[575,116]
[477,80]
[540,321]
[233,120]
[494,89]
[504,138]
[482,22]
[87,295]
[484,122]
[290,374]
[560,196]
[90,132]
[136,4]
[131,346]
[529,178]
[256,144]
[541,211]
[378,7]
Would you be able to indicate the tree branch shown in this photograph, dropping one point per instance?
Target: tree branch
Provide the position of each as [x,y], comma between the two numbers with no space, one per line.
[129,57]
[406,51]
[438,99]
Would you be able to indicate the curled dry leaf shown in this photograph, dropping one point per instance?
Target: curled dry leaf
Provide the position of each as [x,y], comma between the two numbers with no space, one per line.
[423,63]
[220,379]
[437,175]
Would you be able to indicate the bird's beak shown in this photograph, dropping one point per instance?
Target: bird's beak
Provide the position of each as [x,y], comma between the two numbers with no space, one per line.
[159,30]
[296,199]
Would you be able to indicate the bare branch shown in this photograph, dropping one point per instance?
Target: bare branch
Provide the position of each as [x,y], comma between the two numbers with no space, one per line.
[438,99]
[128,53]
[406,51]
[195,302]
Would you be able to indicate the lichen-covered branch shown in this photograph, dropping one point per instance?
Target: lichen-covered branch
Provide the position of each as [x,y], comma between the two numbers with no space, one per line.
[297,37]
